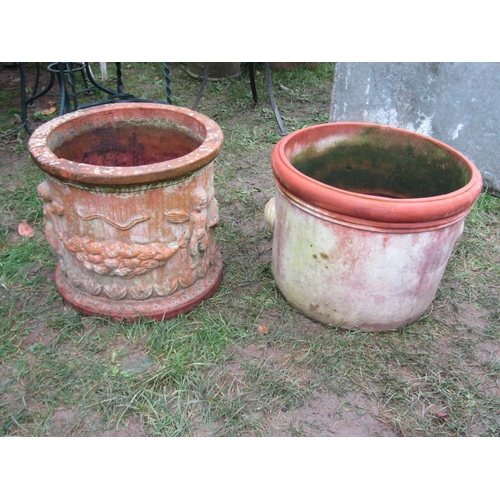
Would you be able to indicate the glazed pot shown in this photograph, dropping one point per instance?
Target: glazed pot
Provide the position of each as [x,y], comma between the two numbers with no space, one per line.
[365,218]
[130,209]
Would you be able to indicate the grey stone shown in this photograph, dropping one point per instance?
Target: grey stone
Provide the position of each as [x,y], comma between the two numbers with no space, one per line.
[139,365]
[456,103]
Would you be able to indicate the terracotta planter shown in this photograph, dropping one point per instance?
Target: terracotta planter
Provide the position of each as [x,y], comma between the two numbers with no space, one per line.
[130,209]
[365,218]
[216,70]
[287,66]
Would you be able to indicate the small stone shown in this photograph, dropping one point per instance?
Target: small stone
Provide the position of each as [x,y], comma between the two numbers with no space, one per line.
[139,365]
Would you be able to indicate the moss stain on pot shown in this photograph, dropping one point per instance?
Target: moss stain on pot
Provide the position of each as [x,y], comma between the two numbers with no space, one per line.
[398,170]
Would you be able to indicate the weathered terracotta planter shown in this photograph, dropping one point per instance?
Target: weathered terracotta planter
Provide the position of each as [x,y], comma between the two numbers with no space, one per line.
[130,209]
[287,66]
[216,70]
[365,219]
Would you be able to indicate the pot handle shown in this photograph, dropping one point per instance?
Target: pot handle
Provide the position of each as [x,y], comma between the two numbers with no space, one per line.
[270,212]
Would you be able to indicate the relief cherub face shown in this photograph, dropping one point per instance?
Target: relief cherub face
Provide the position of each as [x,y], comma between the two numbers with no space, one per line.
[200,199]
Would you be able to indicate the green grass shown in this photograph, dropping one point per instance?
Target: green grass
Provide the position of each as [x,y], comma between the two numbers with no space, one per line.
[211,371]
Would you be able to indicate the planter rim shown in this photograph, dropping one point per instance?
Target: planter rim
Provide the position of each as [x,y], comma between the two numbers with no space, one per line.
[68,170]
[377,209]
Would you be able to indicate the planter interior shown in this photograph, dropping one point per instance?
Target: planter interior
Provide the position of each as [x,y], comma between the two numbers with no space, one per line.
[365,218]
[388,165]
[130,208]
[125,143]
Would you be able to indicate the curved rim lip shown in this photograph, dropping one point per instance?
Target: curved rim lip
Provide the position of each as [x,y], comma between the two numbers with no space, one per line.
[372,207]
[115,175]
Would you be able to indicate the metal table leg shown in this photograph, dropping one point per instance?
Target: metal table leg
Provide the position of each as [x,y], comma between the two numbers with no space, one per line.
[271,98]
[202,86]
[251,70]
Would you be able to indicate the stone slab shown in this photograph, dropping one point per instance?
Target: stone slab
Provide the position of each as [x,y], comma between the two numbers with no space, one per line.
[456,103]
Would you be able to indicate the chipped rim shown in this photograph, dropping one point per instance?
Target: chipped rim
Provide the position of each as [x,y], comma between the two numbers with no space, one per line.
[71,171]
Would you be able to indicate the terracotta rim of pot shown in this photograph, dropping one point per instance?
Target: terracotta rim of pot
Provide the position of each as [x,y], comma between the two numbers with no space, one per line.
[379,210]
[208,131]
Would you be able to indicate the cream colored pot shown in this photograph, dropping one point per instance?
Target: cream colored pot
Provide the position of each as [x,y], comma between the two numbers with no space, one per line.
[365,218]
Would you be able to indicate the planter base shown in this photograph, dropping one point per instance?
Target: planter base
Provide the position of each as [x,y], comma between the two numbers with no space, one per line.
[158,308]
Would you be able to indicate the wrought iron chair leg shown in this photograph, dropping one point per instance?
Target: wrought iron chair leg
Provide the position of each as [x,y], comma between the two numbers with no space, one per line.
[71,78]
[86,81]
[202,88]
[166,72]
[271,98]
[37,81]
[112,93]
[24,113]
[251,72]
[65,106]
[119,84]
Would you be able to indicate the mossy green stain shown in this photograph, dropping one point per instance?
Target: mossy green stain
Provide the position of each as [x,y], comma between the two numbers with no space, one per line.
[372,165]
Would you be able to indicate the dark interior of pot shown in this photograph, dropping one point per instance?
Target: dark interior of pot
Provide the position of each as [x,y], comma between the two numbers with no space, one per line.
[390,166]
[125,143]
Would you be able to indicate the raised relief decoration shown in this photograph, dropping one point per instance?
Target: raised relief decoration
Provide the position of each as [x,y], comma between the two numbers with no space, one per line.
[204,216]
[126,260]
[50,210]
[123,226]
[120,259]
[115,292]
